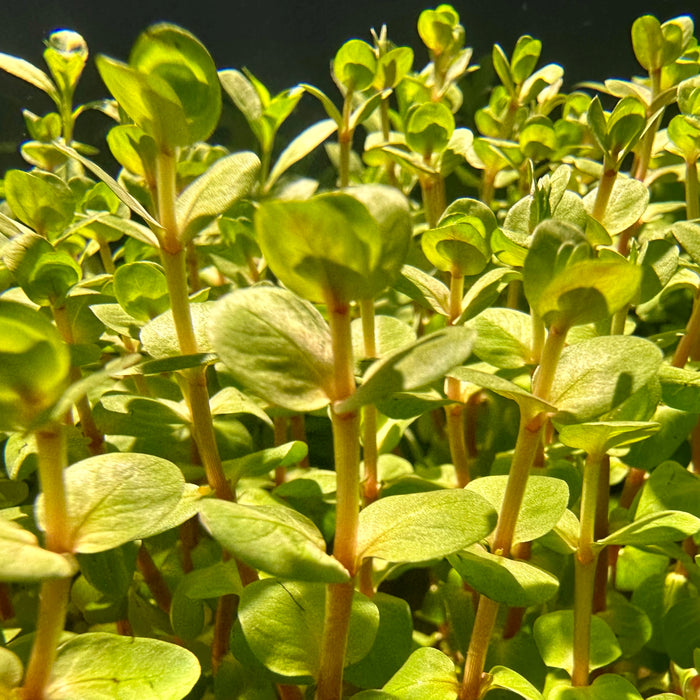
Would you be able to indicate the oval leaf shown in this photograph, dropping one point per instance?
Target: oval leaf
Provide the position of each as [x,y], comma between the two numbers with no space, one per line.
[422,526]
[115,498]
[283,625]
[426,361]
[97,665]
[276,539]
[543,506]
[276,345]
[508,581]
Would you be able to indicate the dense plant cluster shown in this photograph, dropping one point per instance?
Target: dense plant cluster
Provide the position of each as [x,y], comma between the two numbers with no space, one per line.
[429,432]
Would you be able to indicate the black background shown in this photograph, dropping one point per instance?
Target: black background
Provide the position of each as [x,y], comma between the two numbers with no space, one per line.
[292,41]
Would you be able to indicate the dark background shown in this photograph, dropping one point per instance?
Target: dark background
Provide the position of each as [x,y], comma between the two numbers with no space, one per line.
[285,42]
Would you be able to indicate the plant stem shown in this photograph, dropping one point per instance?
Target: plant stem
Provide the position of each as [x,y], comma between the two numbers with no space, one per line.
[585,570]
[370,484]
[154,579]
[53,597]
[484,622]
[82,405]
[434,203]
[345,134]
[51,448]
[454,413]
[173,257]
[692,202]
[605,187]
[530,431]
[692,331]
[347,457]
[53,603]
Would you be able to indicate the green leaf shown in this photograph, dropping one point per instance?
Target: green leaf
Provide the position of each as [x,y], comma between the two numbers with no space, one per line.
[29,73]
[276,345]
[680,388]
[596,375]
[213,581]
[424,288]
[605,687]
[392,67]
[427,675]
[390,334]
[111,571]
[299,147]
[630,624]
[506,678]
[40,200]
[554,635]
[355,65]
[670,487]
[283,624]
[141,289]
[97,665]
[628,202]
[265,461]
[25,561]
[565,286]
[525,56]
[10,670]
[391,647]
[599,438]
[273,538]
[151,102]
[422,526]
[66,54]
[509,581]
[675,427]
[159,337]
[170,87]
[428,359]
[681,631]
[113,185]
[659,261]
[525,400]
[501,65]
[503,337]
[133,149]
[656,45]
[660,526]
[46,274]
[337,246]
[115,498]
[34,366]
[458,247]
[543,506]
[225,182]
[429,128]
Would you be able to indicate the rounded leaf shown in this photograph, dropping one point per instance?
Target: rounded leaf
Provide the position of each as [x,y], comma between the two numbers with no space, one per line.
[355,65]
[276,345]
[429,128]
[175,56]
[544,503]
[116,498]
[283,625]
[141,289]
[554,635]
[509,581]
[34,366]
[338,246]
[98,665]
[275,539]
[422,526]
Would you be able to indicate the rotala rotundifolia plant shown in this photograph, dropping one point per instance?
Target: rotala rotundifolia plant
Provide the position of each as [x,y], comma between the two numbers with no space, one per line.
[390,408]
